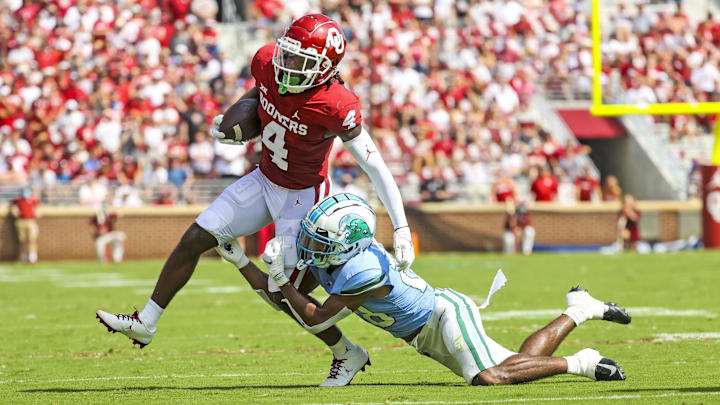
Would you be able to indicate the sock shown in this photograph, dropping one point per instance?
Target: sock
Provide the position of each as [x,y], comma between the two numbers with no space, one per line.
[341,347]
[573,365]
[24,257]
[151,314]
[577,315]
[33,257]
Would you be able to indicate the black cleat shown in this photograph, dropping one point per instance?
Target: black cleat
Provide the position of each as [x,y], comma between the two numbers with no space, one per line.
[614,313]
[608,370]
[596,309]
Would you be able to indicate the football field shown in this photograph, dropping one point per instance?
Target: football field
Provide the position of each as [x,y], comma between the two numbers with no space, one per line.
[219,343]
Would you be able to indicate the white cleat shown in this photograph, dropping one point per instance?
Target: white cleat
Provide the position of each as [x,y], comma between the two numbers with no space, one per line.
[129,325]
[594,366]
[343,370]
[591,308]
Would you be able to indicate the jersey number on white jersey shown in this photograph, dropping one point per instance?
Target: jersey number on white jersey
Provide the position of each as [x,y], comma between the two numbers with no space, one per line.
[276,146]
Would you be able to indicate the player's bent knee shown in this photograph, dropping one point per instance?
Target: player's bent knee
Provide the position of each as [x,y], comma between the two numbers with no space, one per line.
[196,241]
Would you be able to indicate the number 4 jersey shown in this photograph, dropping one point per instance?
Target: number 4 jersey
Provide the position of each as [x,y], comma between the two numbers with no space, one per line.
[405,309]
[295,127]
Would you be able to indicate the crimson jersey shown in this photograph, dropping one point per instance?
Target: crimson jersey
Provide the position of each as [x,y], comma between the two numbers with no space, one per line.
[586,185]
[517,219]
[26,206]
[106,226]
[504,191]
[294,126]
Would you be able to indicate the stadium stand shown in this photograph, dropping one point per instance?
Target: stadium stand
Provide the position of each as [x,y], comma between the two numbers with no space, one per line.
[119,95]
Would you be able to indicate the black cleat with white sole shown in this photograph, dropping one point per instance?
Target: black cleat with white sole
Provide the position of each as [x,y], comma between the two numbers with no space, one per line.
[608,370]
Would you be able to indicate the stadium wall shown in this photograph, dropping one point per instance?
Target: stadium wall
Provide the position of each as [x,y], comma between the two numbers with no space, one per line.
[625,158]
[66,234]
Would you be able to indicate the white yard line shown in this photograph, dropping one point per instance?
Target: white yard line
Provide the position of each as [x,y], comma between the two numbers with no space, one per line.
[550,399]
[172,376]
[676,337]
[634,311]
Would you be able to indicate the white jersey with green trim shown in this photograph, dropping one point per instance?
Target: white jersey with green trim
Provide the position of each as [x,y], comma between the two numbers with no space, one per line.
[405,309]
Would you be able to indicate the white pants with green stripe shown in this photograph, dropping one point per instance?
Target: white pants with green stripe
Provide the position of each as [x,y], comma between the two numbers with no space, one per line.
[454,336]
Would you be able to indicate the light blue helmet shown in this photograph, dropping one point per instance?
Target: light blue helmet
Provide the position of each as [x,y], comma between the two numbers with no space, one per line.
[334,230]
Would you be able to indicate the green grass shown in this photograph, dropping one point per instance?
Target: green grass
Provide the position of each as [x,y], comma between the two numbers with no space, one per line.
[219,343]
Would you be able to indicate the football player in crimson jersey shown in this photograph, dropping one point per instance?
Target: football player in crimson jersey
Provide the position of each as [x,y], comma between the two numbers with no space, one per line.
[303,106]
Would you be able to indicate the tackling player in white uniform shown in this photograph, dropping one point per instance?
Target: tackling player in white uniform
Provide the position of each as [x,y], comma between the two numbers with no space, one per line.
[336,243]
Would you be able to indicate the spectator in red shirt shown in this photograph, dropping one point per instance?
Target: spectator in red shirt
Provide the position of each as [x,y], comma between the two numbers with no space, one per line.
[504,189]
[105,234]
[518,231]
[587,187]
[629,223]
[180,8]
[545,187]
[23,209]
[267,9]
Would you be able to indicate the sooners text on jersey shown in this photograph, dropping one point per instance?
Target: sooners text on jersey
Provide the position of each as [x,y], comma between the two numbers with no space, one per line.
[295,126]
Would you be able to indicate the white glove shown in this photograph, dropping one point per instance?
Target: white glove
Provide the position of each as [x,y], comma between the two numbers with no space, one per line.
[404,250]
[232,252]
[273,256]
[217,134]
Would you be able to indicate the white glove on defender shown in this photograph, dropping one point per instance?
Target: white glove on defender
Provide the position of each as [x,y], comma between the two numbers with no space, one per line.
[217,134]
[404,250]
[273,256]
[232,252]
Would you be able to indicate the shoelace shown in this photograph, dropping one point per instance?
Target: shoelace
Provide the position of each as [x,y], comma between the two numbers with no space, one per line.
[133,317]
[335,367]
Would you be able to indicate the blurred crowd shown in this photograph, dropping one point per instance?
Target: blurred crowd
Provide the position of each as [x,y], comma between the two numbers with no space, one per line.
[665,58]
[113,97]
[447,87]
[116,97]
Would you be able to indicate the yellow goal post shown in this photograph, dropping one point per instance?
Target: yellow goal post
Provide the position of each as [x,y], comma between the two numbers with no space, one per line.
[600,109]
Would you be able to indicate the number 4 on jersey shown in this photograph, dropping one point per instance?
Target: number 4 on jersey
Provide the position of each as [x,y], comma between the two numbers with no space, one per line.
[349,120]
[276,146]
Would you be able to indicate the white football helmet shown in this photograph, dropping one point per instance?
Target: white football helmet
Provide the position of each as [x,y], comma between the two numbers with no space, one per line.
[334,230]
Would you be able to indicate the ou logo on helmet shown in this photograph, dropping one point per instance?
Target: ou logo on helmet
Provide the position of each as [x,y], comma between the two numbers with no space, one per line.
[336,40]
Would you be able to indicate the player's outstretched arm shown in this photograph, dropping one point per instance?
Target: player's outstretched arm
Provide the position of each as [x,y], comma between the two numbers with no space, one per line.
[312,317]
[363,149]
[318,318]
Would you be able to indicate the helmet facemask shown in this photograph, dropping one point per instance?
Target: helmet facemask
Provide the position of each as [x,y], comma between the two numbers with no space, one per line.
[335,231]
[317,249]
[296,69]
